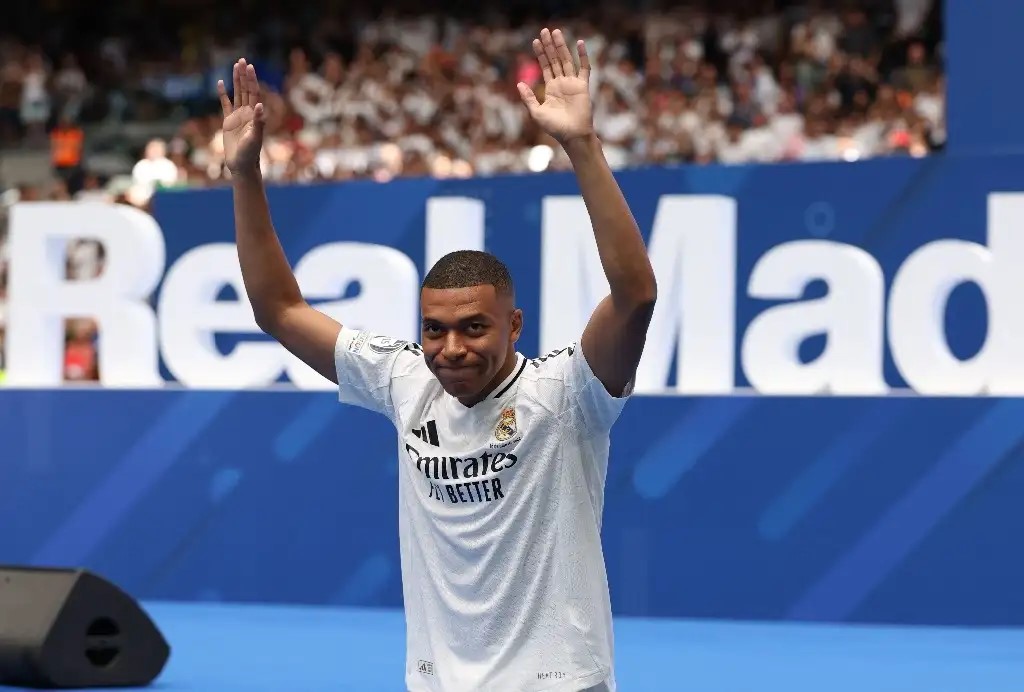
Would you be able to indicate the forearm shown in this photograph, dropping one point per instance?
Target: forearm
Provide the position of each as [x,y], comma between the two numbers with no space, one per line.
[619,243]
[269,281]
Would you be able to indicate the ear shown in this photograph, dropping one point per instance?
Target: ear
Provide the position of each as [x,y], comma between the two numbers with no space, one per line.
[517,324]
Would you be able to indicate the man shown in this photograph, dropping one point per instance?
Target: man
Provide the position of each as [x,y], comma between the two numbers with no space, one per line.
[502,459]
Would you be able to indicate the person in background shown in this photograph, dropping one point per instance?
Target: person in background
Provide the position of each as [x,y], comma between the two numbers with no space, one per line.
[67,141]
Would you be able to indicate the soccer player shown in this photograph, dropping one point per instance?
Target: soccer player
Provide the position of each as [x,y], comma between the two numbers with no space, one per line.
[502,459]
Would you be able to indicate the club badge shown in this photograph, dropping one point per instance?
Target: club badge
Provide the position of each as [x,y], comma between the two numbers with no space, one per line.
[506,427]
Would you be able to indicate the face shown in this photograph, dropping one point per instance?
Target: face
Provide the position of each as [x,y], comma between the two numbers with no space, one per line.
[468,334]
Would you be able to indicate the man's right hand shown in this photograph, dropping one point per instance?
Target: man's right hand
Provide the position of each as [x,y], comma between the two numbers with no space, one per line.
[243,121]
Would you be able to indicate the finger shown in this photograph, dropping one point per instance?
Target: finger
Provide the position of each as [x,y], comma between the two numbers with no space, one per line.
[529,98]
[252,85]
[584,60]
[259,119]
[243,82]
[551,53]
[225,102]
[564,56]
[542,58]
[236,79]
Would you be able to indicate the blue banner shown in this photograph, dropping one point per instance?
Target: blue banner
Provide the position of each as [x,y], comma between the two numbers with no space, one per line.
[768,471]
[832,227]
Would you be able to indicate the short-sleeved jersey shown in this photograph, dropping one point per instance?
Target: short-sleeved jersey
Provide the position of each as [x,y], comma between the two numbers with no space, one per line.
[500,509]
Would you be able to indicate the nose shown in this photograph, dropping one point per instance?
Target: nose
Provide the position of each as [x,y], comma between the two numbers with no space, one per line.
[453,349]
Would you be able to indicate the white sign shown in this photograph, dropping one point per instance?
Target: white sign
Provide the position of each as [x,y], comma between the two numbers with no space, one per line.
[692,248]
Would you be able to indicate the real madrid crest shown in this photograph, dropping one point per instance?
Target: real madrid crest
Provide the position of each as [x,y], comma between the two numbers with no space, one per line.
[506,427]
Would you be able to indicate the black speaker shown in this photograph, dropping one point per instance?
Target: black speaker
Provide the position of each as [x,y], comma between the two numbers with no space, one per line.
[68,628]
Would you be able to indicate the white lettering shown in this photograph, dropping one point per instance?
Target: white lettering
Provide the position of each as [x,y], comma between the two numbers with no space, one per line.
[850,317]
[918,299]
[572,281]
[41,298]
[387,300]
[191,317]
[693,248]
[693,252]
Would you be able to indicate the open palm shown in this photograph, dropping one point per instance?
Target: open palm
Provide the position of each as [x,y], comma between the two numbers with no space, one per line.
[566,112]
[243,120]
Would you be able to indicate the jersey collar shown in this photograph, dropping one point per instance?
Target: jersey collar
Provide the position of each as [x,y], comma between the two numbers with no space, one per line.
[506,385]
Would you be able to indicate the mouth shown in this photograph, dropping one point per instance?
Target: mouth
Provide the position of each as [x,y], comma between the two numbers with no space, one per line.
[456,373]
[455,370]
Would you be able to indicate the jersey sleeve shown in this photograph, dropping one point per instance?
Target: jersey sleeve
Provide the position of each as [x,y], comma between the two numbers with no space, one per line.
[376,372]
[584,395]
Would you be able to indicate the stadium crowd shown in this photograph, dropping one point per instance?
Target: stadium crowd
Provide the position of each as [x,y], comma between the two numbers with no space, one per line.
[353,94]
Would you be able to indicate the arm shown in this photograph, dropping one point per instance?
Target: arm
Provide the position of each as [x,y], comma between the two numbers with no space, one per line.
[614,338]
[277,303]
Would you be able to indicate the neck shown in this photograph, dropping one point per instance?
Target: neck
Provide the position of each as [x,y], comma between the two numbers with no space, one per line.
[503,372]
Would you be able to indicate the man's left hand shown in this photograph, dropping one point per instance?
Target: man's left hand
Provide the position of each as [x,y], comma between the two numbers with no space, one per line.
[566,113]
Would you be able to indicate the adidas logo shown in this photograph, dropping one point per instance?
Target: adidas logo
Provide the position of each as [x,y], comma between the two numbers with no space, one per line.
[428,433]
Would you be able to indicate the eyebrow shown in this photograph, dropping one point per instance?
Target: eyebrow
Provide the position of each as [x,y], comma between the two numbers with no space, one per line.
[475,317]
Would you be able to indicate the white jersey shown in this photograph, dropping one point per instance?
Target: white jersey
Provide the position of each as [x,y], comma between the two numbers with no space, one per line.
[500,510]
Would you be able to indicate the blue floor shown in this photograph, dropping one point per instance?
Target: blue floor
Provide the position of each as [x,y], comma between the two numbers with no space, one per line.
[229,648]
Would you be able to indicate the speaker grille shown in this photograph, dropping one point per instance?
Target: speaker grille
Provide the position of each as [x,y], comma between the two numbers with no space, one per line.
[99,650]
[103,627]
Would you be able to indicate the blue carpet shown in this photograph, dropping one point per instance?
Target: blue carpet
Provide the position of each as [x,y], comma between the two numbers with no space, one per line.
[229,648]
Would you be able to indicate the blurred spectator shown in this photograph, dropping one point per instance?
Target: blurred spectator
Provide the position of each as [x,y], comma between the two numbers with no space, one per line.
[154,170]
[10,101]
[35,96]
[80,358]
[66,143]
[70,89]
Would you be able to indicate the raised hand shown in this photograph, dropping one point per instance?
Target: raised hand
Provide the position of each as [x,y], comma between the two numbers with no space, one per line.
[243,120]
[566,113]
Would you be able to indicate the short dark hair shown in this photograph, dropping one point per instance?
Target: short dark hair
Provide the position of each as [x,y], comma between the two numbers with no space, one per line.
[464,268]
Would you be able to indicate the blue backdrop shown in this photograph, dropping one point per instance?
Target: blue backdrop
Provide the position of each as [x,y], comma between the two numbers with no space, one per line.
[896,509]
[892,509]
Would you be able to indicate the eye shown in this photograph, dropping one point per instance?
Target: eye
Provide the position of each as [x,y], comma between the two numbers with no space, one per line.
[477,328]
[431,330]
